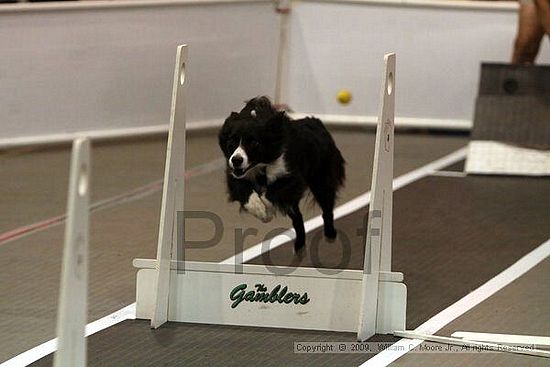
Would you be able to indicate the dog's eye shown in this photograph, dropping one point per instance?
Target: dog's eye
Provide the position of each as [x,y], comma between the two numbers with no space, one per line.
[254,144]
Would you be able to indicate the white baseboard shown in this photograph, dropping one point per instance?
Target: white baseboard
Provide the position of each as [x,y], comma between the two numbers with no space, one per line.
[102,134]
[400,122]
[110,4]
[329,120]
[445,4]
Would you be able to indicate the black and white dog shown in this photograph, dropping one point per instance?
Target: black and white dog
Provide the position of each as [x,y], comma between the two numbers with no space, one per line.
[272,160]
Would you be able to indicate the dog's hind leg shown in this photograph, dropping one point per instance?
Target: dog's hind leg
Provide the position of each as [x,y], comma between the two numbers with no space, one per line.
[326,198]
[298,224]
[328,219]
[285,193]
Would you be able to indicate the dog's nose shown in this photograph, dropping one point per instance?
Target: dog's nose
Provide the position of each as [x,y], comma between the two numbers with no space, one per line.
[237,160]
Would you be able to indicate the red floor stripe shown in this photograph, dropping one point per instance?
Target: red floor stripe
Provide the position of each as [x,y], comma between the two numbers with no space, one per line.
[32,227]
[149,188]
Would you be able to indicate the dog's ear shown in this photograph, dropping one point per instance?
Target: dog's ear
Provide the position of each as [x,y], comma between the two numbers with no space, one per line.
[277,118]
[262,105]
[224,131]
[233,116]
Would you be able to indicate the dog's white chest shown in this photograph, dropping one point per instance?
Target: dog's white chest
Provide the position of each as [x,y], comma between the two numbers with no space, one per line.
[276,169]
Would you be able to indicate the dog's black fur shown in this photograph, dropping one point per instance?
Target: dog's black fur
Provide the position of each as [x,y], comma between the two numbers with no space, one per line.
[311,160]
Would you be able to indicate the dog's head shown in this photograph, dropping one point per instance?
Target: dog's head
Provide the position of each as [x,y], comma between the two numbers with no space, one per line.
[252,137]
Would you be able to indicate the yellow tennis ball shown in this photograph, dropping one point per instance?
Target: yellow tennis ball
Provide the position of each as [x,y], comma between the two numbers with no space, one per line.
[344,96]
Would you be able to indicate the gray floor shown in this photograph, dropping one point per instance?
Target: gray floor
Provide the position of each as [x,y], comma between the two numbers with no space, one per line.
[450,235]
[441,244]
[519,308]
[36,191]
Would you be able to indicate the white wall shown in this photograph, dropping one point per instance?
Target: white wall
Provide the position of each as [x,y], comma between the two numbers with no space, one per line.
[68,68]
[105,66]
[439,51]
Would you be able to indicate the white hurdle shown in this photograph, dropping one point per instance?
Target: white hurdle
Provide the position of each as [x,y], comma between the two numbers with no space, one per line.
[72,309]
[172,191]
[367,302]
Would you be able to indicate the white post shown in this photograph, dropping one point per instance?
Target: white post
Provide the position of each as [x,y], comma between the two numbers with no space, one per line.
[284,8]
[173,191]
[378,238]
[72,309]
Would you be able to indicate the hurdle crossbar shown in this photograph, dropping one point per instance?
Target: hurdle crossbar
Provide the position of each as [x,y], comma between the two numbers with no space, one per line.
[412,334]
[513,339]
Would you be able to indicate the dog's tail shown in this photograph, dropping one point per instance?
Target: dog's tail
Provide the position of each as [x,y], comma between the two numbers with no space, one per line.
[339,169]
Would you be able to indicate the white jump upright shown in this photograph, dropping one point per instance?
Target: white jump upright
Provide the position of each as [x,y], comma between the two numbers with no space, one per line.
[72,309]
[367,302]
[172,192]
[379,229]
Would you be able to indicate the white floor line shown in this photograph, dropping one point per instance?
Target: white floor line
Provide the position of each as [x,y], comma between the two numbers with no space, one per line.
[42,350]
[347,208]
[128,312]
[462,306]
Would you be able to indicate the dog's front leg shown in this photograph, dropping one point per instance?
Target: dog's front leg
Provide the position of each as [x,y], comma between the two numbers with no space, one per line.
[252,202]
[260,207]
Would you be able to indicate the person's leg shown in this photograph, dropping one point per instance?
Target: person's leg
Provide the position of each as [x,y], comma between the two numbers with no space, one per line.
[529,35]
[543,7]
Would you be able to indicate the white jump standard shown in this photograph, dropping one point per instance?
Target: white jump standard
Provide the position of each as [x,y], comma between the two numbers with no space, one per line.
[367,302]
[73,296]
